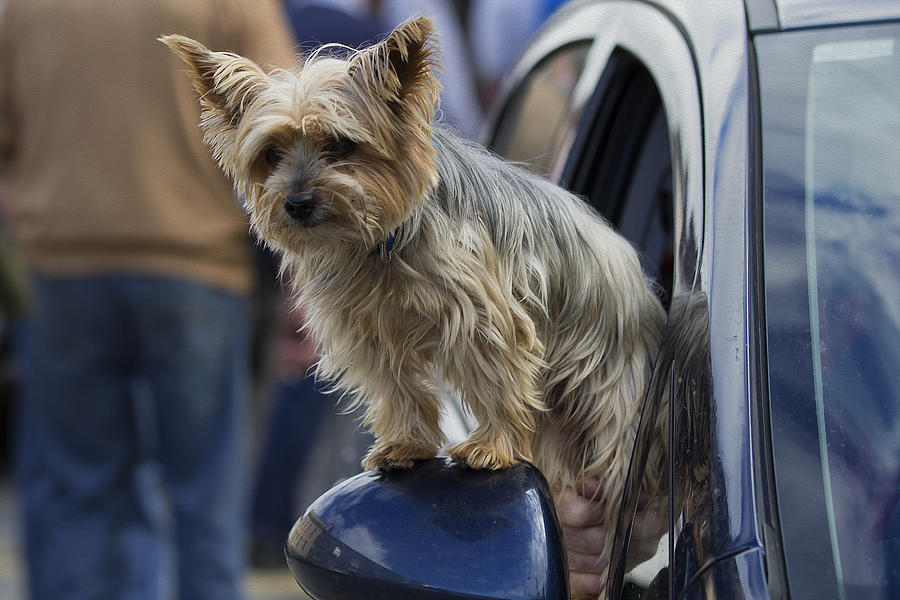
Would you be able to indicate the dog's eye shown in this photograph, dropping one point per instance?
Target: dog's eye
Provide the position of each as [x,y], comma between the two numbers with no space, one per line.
[273,156]
[340,147]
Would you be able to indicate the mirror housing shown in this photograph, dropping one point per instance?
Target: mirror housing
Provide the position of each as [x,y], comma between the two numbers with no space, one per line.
[433,532]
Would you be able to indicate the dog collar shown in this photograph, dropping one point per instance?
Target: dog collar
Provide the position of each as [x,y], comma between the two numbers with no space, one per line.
[384,249]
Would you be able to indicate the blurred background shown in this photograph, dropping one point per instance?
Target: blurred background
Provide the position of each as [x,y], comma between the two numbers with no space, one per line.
[155,404]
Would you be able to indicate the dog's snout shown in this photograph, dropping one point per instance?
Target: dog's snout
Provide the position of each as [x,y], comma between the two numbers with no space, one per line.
[300,206]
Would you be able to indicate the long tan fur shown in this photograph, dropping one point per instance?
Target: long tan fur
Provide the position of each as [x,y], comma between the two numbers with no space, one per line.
[507,287]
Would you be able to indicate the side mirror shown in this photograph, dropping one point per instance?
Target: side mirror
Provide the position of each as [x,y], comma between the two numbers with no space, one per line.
[436,531]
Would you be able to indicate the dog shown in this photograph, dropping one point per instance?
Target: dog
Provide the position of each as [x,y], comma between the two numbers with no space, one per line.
[422,258]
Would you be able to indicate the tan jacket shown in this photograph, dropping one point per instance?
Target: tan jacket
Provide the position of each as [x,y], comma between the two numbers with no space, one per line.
[99,136]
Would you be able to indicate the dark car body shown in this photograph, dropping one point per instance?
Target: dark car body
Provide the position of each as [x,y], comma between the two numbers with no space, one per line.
[750,150]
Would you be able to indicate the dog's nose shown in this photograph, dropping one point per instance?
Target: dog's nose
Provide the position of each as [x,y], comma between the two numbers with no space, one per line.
[300,206]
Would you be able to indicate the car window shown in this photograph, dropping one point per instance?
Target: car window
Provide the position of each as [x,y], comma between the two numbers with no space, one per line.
[532,128]
[622,164]
[831,151]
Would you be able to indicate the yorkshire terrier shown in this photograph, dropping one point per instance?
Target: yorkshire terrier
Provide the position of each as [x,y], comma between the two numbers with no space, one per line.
[421,257]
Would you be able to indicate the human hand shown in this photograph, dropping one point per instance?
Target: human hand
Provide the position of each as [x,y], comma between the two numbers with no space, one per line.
[584,538]
[587,542]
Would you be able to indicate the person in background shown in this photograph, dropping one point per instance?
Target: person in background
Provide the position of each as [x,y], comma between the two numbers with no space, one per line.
[318,22]
[460,105]
[135,350]
[494,53]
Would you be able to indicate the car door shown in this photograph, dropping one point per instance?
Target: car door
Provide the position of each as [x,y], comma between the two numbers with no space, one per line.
[606,102]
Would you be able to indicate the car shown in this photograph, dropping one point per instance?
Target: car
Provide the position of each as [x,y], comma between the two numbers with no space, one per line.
[751,151]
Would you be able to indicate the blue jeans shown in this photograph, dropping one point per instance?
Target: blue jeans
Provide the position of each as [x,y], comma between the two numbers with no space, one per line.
[120,372]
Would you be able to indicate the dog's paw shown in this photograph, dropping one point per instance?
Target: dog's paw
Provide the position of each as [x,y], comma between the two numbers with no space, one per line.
[392,456]
[482,455]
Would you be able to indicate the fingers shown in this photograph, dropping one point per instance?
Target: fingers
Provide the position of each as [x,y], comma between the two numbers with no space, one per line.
[588,540]
[588,487]
[585,585]
[586,563]
[575,510]
[585,539]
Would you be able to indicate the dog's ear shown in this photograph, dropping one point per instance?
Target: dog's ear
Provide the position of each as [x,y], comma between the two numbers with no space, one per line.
[403,68]
[226,82]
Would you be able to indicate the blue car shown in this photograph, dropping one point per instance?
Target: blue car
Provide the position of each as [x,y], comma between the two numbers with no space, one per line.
[751,151]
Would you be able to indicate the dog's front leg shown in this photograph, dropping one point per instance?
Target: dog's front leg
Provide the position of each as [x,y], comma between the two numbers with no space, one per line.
[498,374]
[403,414]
